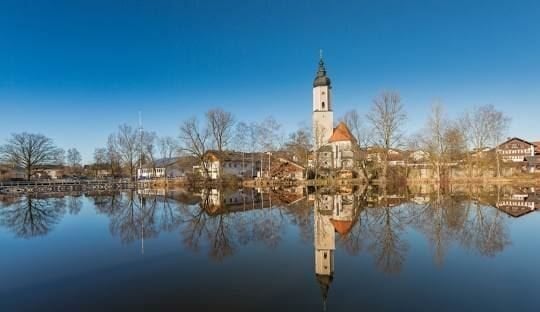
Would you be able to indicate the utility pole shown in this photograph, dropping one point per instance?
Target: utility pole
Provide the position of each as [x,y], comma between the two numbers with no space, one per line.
[140,144]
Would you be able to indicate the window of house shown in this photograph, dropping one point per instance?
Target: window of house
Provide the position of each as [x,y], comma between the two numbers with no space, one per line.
[323,105]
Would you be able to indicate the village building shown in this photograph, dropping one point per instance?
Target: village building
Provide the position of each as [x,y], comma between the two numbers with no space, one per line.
[394,157]
[11,173]
[336,148]
[517,150]
[46,172]
[170,168]
[230,163]
[285,169]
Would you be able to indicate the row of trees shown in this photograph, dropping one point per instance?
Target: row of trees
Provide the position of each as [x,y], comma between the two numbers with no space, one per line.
[444,140]
[29,151]
[382,127]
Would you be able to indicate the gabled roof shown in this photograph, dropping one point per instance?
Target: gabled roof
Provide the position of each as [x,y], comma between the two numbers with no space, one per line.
[342,133]
[518,139]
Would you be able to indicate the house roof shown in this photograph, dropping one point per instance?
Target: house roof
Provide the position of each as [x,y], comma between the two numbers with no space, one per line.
[518,139]
[230,155]
[342,133]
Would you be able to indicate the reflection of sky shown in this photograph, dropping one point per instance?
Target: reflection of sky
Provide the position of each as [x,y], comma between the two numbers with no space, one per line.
[80,262]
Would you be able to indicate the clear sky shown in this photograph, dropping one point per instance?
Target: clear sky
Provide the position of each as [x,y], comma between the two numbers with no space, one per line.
[75,70]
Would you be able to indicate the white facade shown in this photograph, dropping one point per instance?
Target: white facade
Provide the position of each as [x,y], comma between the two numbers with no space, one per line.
[324,236]
[323,116]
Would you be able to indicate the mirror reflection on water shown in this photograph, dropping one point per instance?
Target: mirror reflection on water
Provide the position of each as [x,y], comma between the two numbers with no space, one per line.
[335,249]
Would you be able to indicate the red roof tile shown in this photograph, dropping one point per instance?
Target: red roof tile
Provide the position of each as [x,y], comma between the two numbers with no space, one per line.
[342,133]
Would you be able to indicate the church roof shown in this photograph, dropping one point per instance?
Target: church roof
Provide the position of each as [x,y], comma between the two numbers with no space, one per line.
[342,133]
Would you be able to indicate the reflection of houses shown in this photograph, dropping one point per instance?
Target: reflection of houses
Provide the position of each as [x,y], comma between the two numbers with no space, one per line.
[516,150]
[517,205]
[216,201]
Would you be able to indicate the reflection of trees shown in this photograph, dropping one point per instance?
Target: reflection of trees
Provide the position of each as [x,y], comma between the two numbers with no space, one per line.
[32,216]
[134,216]
[385,229]
[74,204]
[223,230]
[450,218]
[485,229]
[441,220]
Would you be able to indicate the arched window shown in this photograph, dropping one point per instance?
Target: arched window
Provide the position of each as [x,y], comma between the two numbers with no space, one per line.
[323,105]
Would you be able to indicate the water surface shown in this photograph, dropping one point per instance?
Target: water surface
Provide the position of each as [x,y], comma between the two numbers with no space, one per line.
[268,250]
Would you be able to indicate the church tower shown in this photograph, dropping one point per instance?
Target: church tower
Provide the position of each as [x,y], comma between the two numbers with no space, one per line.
[323,116]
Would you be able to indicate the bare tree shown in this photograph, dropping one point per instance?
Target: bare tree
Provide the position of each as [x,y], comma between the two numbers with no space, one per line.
[442,139]
[100,159]
[149,149]
[387,117]
[74,160]
[220,124]
[168,147]
[28,150]
[498,126]
[484,125]
[299,144]
[268,134]
[195,141]
[128,147]
[113,157]
[353,120]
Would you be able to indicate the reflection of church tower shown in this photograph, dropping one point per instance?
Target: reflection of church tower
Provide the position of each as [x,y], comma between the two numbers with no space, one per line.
[344,213]
[324,243]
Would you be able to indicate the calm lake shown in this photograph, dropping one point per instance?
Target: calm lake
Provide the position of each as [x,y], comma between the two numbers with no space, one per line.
[340,249]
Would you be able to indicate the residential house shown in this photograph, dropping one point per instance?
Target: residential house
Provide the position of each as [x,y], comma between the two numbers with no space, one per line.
[516,150]
[229,163]
[53,172]
[11,173]
[287,169]
[175,167]
[395,157]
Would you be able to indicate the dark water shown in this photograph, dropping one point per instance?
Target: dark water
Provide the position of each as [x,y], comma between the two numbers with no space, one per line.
[287,250]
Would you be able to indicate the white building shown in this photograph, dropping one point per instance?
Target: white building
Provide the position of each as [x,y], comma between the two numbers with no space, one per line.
[323,116]
[335,146]
[238,164]
[166,167]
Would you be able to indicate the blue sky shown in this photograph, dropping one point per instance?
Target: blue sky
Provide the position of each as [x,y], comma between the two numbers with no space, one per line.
[75,70]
